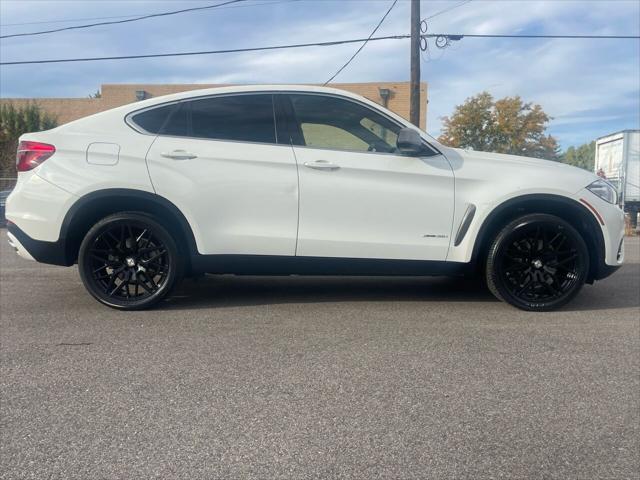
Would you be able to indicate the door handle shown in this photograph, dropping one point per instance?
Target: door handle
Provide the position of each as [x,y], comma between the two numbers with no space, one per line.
[321,165]
[179,155]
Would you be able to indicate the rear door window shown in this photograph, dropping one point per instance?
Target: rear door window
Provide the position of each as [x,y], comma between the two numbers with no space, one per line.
[241,118]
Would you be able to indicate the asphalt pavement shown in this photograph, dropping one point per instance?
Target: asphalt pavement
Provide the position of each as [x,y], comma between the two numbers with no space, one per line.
[292,377]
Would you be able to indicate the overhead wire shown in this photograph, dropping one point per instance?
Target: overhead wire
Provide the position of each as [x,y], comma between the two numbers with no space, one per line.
[206,52]
[86,19]
[364,44]
[315,44]
[115,22]
[424,50]
[445,10]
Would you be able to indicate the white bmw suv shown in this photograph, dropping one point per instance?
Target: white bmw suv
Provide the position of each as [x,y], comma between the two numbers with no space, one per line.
[267,180]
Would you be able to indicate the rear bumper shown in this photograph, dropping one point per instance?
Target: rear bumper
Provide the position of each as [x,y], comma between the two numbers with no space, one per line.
[18,247]
[39,250]
[38,207]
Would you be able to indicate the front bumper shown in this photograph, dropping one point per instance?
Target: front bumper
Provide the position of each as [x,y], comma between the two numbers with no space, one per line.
[605,271]
[611,220]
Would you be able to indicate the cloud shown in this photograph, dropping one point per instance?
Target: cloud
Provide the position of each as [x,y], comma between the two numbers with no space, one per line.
[590,87]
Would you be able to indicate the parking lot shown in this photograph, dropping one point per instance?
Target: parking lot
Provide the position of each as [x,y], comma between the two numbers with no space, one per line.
[244,377]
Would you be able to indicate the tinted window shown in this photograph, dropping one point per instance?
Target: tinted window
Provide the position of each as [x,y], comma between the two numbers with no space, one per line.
[329,122]
[245,118]
[327,136]
[152,120]
[178,123]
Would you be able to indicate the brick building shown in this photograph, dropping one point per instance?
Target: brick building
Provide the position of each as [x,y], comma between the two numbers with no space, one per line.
[395,95]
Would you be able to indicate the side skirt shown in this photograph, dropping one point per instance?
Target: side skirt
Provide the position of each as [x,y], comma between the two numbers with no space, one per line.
[290,265]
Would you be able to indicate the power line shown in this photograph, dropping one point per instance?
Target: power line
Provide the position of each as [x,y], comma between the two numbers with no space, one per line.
[364,44]
[448,9]
[209,52]
[595,37]
[144,17]
[69,20]
[86,19]
[318,44]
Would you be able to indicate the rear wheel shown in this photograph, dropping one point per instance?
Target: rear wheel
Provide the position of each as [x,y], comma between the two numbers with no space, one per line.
[129,261]
[538,262]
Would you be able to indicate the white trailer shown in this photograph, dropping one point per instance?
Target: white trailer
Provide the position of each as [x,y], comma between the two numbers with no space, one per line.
[618,160]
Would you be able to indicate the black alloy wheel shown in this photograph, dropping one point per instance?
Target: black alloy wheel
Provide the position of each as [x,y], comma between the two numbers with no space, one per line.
[129,261]
[538,262]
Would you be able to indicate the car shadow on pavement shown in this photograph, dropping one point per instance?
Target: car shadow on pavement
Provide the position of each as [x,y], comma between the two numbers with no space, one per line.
[622,290]
[227,290]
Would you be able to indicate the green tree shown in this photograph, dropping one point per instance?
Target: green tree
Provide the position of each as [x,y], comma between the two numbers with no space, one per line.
[508,125]
[14,121]
[584,156]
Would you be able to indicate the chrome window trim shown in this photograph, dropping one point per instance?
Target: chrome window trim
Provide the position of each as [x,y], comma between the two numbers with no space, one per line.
[131,124]
[129,121]
[220,140]
[364,105]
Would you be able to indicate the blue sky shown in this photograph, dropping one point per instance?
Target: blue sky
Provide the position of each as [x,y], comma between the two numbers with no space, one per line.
[589,87]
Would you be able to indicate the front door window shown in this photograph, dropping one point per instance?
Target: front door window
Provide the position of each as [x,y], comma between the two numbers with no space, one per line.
[338,124]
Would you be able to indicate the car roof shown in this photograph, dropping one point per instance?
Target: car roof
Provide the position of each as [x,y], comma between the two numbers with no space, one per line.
[115,115]
[242,89]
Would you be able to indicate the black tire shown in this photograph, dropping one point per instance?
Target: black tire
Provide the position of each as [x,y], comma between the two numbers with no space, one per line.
[129,261]
[538,262]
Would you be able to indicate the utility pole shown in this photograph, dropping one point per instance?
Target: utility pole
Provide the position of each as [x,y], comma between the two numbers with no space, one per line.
[414,89]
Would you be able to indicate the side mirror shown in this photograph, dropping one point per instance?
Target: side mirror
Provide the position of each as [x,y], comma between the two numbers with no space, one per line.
[410,142]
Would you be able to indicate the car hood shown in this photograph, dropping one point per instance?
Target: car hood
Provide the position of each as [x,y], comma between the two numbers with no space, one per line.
[515,159]
[523,171]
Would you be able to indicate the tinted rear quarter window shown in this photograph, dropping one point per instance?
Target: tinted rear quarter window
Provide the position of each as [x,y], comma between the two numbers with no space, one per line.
[153,120]
[178,123]
[244,118]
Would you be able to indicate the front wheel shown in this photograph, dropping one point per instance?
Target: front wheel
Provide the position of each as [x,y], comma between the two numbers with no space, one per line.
[129,261]
[538,262]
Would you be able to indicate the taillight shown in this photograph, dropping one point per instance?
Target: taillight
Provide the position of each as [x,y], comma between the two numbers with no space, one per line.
[32,154]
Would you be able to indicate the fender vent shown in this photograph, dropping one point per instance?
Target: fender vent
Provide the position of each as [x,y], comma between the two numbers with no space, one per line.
[464,225]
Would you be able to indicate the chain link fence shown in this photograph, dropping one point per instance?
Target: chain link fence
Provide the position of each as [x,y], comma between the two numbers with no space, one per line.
[7,182]
[7,179]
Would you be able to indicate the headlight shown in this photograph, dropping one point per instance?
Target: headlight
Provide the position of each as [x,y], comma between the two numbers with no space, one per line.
[604,190]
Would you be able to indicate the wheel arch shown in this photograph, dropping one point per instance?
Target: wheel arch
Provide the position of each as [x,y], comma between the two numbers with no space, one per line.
[566,208]
[90,208]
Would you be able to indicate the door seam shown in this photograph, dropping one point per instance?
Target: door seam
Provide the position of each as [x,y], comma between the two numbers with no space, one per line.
[293,150]
[146,163]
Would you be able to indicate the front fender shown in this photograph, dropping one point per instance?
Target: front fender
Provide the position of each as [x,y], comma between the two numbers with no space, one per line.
[490,219]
